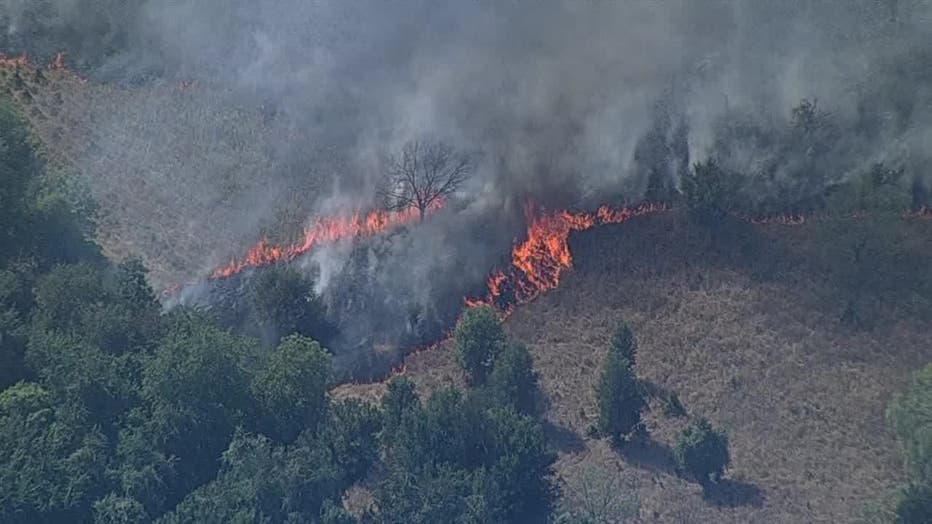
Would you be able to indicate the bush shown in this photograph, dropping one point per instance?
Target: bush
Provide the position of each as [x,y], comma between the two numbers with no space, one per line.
[619,397]
[702,451]
[479,339]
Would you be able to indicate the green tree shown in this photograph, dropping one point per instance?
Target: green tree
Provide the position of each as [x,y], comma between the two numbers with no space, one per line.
[479,339]
[619,398]
[441,494]
[114,309]
[91,329]
[18,169]
[625,344]
[264,482]
[519,467]
[51,465]
[513,381]
[710,192]
[456,460]
[284,303]
[397,404]
[914,504]
[13,328]
[702,451]
[195,392]
[114,509]
[910,416]
[351,434]
[291,388]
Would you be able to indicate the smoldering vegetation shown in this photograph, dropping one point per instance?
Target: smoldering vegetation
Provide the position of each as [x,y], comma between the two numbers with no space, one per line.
[286,108]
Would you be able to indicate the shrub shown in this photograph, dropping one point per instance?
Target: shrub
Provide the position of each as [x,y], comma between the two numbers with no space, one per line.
[702,451]
[479,339]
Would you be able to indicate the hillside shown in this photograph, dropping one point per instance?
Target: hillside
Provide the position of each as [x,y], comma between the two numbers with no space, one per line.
[750,337]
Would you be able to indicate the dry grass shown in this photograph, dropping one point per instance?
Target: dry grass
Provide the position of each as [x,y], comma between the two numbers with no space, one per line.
[801,396]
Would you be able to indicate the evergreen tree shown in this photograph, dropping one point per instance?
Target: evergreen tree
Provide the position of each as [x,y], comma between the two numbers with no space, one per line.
[513,381]
[619,398]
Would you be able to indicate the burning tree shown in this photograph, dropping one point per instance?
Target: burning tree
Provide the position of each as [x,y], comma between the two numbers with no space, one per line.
[422,175]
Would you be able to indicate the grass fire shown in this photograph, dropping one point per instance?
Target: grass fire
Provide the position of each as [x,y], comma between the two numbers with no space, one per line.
[377,262]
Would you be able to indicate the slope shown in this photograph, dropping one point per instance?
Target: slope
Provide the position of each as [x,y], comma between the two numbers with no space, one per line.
[751,336]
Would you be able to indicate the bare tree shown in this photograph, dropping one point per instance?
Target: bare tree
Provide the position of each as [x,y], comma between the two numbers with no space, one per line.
[424,173]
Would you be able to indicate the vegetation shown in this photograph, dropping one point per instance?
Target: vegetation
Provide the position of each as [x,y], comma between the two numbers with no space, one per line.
[479,340]
[710,193]
[624,343]
[513,381]
[910,416]
[618,393]
[114,411]
[702,451]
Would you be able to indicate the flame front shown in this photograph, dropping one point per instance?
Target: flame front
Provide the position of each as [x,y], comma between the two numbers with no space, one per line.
[538,262]
[323,231]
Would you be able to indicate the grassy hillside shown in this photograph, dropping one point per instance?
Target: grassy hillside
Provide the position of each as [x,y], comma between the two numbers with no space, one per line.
[752,337]
[180,173]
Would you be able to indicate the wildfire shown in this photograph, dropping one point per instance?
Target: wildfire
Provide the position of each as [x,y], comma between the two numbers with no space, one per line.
[13,62]
[538,262]
[794,219]
[923,213]
[323,231]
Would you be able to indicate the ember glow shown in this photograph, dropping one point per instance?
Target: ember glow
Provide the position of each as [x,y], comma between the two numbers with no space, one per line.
[324,230]
[538,262]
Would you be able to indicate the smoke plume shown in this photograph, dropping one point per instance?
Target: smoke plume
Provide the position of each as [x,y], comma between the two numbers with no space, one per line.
[292,103]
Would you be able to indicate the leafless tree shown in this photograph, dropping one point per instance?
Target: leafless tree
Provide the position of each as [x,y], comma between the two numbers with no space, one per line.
[422,175]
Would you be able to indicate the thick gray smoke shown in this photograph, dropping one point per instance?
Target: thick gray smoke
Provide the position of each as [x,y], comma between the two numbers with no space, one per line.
[570,103]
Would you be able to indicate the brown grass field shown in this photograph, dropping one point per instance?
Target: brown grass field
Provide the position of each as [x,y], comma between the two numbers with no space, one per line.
[756,346]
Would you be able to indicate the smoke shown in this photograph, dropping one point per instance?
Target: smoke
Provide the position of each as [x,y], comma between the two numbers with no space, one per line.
[570,103]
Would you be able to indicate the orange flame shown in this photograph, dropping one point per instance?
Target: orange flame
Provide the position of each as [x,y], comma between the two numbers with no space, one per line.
[793,219]
[59,63]
[22,62]
[14,62]
[923,213]
[538,262]
[323,231]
